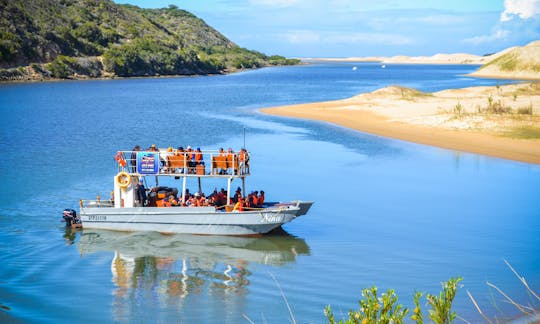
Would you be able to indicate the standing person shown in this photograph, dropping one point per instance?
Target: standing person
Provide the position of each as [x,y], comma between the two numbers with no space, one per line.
[190,157]
[231,163]
[140,195]
[237,195]
[223,161]
[133,159]
[243,157]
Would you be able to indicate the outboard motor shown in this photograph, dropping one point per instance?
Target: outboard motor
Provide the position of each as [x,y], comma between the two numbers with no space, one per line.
[70,217]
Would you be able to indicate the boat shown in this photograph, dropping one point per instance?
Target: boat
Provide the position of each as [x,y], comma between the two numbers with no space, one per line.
[164,209]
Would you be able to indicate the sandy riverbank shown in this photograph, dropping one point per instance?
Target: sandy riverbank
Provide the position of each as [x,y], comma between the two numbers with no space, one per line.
[467,119]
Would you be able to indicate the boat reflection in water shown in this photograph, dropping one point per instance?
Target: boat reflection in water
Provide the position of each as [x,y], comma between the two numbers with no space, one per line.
[167,269]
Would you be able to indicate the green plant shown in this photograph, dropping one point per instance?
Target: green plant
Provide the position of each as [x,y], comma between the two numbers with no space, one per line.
[458,109]
[374,309]
[527,110]
[417,311]
[386,310]
[441,312]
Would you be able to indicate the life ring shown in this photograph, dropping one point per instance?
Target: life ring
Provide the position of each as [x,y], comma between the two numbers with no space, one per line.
[123,179]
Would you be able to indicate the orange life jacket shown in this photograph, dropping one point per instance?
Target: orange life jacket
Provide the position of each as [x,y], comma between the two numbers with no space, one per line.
[120,159]
[198,156]
[239,206]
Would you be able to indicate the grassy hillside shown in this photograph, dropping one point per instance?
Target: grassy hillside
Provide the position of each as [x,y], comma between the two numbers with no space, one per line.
[521,61]
[96,38]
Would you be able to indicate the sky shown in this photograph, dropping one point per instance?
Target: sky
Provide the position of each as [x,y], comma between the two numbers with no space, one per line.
[355,28]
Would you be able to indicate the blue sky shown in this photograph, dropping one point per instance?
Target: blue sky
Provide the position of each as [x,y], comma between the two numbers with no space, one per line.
[345,28]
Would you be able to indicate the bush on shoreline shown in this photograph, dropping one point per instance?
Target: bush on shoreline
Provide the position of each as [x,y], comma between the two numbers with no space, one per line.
[386,310]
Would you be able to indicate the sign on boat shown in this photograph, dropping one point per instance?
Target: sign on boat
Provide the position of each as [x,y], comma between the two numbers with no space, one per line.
[133,207]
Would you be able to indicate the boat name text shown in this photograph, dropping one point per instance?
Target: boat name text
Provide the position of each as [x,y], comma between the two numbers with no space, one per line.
[97,218]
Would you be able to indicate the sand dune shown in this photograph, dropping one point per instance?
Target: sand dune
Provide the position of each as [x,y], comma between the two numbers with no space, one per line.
[514,63]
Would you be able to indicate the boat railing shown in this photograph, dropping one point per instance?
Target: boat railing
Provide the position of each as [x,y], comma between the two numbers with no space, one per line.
[98,202]
[185,163]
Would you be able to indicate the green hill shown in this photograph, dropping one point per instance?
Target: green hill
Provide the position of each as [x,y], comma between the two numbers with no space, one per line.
[520,62]
[98,38]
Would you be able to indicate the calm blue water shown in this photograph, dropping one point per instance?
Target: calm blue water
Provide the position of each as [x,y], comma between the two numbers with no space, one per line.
[388,213]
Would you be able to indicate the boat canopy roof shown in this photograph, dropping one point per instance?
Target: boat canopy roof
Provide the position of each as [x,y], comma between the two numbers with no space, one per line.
[184,162]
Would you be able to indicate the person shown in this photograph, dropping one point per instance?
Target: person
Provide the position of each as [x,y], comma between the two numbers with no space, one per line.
[190,157]
[237,195]
[198,156]
[164,159]
[222,152]
[221,197]
[261,198]
[243,157]
[247,203]
[231,161]
[133,160]
[255,199]
[239,206]
[153,148]
[173,201]
[223,159]
[140,195]
[179,152]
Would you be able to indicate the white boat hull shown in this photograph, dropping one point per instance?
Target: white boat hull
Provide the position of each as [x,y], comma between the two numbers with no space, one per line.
[193,220]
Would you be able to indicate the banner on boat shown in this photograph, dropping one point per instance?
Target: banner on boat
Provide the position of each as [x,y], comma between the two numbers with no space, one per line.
[147,162]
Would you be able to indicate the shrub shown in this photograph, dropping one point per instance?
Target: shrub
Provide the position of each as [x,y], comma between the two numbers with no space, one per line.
[385,310]
[527,110]
[62,66]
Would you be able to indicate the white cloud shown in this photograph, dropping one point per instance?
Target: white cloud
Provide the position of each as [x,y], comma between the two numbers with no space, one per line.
[495,36]
[519,22]
[523,9]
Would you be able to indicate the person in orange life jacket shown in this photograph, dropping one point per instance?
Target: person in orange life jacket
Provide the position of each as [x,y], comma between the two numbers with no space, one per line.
[164,202]
[255,199]
[239,206]
[198,156]
[261,198]
[201,199]
[243,158]
[173,201]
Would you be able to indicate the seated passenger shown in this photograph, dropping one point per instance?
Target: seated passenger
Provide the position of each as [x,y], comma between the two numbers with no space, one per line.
[173,201]
[261,199]
[239,206]
[198,156]
[255,199]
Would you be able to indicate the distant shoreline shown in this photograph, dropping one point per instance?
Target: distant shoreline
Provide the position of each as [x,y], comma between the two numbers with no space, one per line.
[443,59]
[419,118]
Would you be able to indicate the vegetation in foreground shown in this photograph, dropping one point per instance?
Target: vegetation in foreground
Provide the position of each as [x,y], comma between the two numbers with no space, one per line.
[384,309]
[41,39]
